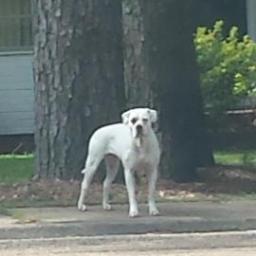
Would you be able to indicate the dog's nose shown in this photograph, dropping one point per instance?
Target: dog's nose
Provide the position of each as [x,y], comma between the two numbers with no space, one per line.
[139,128]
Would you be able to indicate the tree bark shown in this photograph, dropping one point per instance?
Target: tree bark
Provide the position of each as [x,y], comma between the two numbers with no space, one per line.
[169,70]
[137,86]
[78,75]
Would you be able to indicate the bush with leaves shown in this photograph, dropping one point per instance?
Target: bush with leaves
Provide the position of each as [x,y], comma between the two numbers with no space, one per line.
[227,67]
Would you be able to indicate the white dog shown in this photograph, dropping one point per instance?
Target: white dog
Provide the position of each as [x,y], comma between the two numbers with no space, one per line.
[134,143]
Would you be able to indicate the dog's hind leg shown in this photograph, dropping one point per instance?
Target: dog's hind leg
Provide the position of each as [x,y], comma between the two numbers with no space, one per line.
[91,166]
[112,166]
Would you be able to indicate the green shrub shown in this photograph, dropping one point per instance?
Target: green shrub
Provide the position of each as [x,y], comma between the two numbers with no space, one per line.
[227,66]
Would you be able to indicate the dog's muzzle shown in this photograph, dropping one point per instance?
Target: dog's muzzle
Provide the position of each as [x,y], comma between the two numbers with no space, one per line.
[139,130]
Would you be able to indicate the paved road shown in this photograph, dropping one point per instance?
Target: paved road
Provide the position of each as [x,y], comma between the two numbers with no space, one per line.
[182,229]
[207,244]
[82,252]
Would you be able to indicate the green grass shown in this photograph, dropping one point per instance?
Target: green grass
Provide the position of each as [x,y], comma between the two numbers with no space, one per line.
[16,168]
[245,158]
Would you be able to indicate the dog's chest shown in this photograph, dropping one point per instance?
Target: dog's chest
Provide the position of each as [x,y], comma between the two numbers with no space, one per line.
[141,157]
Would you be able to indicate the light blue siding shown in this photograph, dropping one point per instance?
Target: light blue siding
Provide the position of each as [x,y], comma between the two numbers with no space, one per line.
[251,18]
[16,95]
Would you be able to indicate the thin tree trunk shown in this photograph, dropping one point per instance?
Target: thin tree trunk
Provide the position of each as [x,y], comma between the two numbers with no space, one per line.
[78,79]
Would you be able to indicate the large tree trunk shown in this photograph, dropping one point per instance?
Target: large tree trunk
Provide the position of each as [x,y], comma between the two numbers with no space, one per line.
[169,28]
[137,86]
[78,79]
[170,71]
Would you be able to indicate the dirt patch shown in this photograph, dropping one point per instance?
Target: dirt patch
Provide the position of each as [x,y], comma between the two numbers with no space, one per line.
[65,193]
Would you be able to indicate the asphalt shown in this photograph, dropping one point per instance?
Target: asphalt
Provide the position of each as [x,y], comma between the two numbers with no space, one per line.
[219,223]
[175,218]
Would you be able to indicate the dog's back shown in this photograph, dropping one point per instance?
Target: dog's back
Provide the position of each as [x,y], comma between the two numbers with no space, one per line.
[110,139]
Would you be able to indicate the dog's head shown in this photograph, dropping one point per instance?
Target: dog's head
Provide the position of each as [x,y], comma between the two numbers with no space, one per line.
[139,120]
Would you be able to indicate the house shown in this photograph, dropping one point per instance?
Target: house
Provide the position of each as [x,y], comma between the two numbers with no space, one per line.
[251,18]
[16,78]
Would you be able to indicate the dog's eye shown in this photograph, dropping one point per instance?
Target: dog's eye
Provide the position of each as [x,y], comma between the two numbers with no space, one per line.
[145,120]
[134,120]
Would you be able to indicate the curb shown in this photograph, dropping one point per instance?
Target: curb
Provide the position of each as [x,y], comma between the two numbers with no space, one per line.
[148,241]
[137,226]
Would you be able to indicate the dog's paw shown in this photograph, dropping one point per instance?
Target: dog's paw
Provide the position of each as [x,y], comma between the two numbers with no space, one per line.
[133,213]
[82,207]
[107,206]
[154,212]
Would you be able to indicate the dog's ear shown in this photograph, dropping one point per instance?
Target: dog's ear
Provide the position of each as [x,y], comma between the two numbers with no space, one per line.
[153,115]
[125,117]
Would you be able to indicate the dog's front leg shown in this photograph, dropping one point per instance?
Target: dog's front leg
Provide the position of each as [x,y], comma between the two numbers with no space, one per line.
[130,184]
[152,178]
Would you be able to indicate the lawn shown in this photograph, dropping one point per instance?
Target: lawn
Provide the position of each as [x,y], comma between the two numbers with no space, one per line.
[246,158]
[16,168]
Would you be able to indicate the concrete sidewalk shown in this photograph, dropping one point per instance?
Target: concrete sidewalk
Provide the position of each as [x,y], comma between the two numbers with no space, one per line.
[194,229]
[57,222]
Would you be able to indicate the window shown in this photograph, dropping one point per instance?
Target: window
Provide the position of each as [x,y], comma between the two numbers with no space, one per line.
[15,25]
